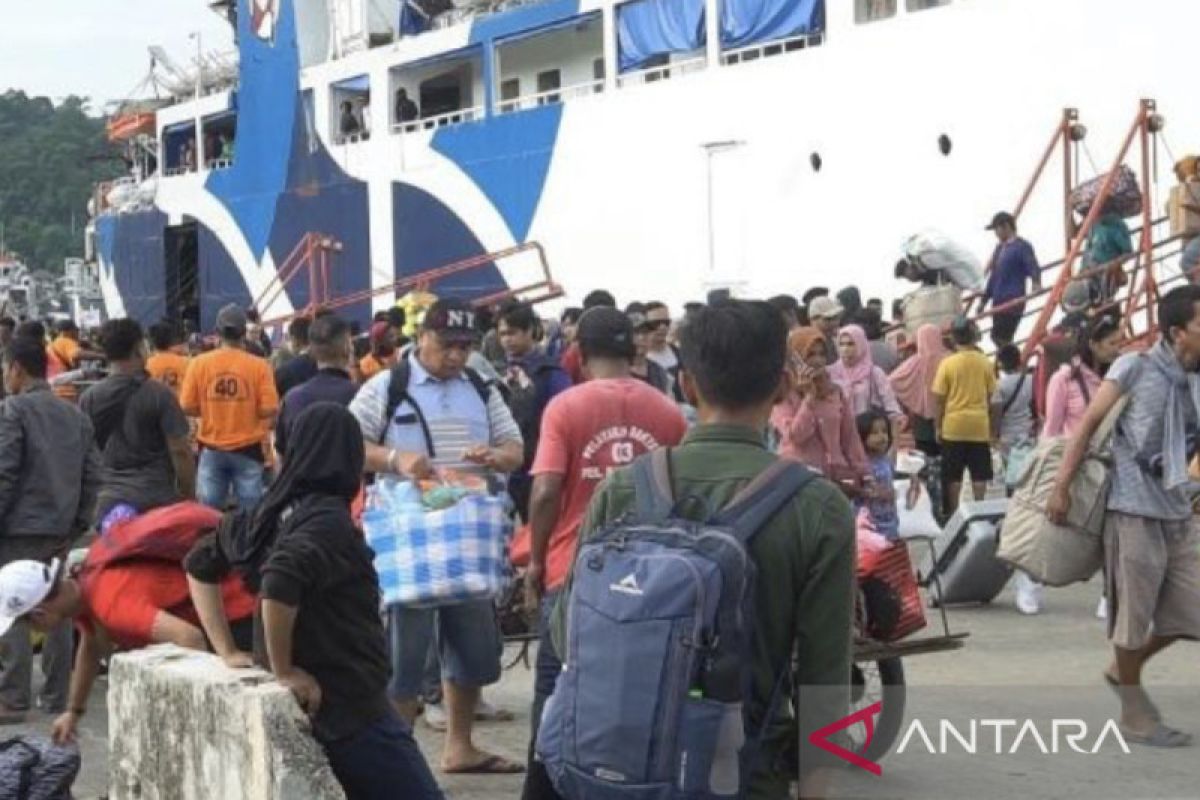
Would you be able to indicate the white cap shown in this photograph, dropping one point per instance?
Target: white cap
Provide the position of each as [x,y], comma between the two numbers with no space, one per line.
[23,585]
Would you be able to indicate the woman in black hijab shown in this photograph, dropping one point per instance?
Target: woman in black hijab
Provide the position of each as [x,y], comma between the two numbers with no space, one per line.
[319,606]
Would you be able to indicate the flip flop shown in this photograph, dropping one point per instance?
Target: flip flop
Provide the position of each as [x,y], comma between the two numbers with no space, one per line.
[1161,736]
[492,765]
[1151,709]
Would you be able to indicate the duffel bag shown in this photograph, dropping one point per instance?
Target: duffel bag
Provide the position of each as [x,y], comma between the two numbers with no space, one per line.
[1124,200]
[1058,555]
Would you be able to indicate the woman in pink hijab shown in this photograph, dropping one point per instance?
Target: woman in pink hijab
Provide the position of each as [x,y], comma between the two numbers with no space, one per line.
[864,384]
[912,382]
[815,423]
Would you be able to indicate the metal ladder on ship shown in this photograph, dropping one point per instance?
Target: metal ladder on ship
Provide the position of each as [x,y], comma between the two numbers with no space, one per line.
[1145,271]
[313,257]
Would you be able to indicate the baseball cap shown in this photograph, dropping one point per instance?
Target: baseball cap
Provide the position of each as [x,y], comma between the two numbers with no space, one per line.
[607,330]
[1077,296]
[23,585]
[824,307]
[1002,218]
[452,319]
[231,318]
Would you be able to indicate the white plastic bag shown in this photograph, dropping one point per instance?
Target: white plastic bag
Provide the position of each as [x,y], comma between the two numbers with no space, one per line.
[938,252]
[918,521]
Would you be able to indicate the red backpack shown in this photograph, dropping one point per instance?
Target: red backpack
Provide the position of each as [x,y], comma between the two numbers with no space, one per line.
[164,534]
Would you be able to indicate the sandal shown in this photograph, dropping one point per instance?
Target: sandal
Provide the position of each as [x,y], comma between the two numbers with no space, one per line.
[1160,736]
[490,765]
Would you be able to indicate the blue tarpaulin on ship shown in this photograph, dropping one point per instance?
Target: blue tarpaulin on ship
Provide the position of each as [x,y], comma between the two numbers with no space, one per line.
[649,28]
[746,22]
[412,21]
[359,83]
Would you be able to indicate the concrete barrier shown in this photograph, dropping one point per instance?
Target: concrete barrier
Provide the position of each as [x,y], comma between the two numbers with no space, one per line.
[183,726]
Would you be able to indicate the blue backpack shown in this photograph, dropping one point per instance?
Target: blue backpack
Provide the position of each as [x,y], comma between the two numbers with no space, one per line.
[659,627]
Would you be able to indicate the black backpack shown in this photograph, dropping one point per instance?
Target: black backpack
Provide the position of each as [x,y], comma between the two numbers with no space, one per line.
[528,402]
[398,393]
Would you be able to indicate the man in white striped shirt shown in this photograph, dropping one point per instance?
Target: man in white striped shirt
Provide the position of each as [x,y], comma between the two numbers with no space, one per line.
[447,417]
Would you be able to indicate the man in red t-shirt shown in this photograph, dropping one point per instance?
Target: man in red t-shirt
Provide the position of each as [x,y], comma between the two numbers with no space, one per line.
[598,426]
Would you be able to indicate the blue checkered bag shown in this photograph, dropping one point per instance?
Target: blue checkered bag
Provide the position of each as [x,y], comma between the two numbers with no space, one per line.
[427,558]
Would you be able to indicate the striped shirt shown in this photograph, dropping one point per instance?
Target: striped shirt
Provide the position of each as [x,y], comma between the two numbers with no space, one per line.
[1140,432]
[458,419]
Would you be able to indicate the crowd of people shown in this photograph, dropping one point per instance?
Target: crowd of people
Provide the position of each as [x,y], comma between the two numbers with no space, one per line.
[266,449]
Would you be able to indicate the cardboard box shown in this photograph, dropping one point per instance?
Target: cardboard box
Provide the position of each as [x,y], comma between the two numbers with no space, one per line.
[1185,221]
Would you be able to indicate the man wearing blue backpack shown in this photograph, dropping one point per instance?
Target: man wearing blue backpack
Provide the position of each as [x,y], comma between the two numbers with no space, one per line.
[678,649]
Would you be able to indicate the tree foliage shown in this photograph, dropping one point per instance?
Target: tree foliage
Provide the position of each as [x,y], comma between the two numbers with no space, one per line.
[50,158]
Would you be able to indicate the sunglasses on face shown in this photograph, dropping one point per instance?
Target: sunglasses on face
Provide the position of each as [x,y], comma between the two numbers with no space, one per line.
[656,324]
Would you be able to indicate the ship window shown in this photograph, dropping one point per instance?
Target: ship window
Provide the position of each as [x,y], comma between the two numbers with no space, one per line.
[921,5]
[510,90]
[436,92]
[598,74]
[219,132]
[873,10]
[350,107]
[548,84]
[179,148]
[554,64]
[945,145]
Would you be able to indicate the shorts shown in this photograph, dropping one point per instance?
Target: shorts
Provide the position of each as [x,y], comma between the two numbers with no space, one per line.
[467,638]
[975,457]
[1152,578]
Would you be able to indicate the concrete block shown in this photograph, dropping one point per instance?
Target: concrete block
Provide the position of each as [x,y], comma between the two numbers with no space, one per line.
[183,726]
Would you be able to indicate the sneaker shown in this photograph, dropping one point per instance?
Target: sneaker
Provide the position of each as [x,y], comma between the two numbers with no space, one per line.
[1028,595]
[1102,608]
[435,717]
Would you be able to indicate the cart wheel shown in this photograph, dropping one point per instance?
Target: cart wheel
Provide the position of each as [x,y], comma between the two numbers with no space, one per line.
[871,682]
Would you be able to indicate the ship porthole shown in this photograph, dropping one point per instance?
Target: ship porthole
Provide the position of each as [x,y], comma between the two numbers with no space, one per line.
[945,145]
[815,160]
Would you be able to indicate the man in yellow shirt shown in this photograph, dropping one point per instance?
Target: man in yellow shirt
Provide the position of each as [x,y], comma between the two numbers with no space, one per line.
[962,391]
[233,394]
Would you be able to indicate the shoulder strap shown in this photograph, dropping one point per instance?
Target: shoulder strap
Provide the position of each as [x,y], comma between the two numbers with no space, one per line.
[1104,432]
[654,497]
[397,393]
[759,500]
[1077,376]
[482,387]
[1016,393]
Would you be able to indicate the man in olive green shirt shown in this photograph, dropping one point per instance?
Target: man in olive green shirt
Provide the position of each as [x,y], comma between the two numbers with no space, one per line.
[734,371]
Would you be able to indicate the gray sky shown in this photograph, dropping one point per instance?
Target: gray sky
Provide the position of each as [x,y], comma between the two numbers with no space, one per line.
[97,48]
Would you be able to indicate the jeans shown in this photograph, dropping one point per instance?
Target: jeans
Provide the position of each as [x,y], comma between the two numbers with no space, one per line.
[219,471]
[16,649]
[546,670]
[382,762]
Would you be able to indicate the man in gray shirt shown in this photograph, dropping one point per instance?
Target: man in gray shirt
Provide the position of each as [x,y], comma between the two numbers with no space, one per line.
[446,418]
[49,473]
[1151,542]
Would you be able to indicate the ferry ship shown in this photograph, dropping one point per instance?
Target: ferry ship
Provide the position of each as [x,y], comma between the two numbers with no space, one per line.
[354,149]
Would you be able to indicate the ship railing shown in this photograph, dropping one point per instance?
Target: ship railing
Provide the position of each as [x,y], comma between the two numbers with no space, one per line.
[457,117]
[352,138]
[551,97]
[663,72]
[220,163]
[171,172]
[768,49]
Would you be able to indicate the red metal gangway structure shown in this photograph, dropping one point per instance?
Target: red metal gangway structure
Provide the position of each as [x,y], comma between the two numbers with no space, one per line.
[1136,300]
[313,258]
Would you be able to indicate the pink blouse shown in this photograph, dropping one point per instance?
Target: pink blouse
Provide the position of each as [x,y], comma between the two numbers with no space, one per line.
[1065,400]
[820,433]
